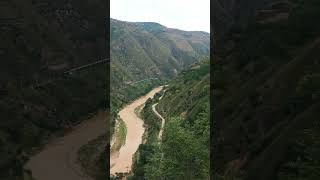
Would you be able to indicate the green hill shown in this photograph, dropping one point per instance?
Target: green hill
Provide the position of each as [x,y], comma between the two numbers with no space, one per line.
[266,93]
[143,50]
[146,49]
[184,149]
[39,40]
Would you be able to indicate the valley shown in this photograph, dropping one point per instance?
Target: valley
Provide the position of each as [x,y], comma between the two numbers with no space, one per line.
[147,55]
[46,126]
[148,50]
[156,131]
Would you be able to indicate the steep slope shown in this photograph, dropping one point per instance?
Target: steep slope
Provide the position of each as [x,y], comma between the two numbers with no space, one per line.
[183,151]
[39,40]
[265,94]
[142,50]
[149,52]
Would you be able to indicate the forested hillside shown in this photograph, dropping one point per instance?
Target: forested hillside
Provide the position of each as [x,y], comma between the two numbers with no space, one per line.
[183,151]
[39,40]
[149,52]
[266,92]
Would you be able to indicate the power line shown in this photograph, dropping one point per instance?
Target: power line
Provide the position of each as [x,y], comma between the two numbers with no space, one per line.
[107,60]
[71,71]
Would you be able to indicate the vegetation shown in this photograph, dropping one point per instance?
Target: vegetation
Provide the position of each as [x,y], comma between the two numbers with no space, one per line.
[122,132]
[184,149]
[33,51]
[92,157]
[265,93]
[303,159]
[141,51]
[120,138]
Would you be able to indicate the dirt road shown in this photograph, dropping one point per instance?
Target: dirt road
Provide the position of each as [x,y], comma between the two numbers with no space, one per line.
[58,160]
[122,161]
[163,121]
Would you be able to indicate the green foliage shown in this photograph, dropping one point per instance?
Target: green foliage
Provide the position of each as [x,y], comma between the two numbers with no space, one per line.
[261,87]
[182,154]
[146,151]
[143,50]
[122,132]
[29,47]
[303,160]
[147,50]
[184,150]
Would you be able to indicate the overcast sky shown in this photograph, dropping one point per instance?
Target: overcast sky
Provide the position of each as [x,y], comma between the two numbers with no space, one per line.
[189,15]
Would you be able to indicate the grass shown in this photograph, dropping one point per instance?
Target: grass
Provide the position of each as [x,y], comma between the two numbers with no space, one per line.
[122,132]
[120,136]
[138,110]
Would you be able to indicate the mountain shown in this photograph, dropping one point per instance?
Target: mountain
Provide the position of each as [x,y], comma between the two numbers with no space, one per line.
[149,53]
[146,49]
[266,91]
[40,39]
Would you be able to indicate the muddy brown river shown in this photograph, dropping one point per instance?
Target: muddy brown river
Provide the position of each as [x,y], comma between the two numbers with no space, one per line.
[121,162]
[58,160]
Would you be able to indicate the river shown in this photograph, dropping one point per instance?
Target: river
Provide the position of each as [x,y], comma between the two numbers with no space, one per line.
[121,162]
[58,160]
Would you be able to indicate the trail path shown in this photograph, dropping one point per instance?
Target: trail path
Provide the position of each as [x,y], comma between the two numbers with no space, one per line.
[163,121]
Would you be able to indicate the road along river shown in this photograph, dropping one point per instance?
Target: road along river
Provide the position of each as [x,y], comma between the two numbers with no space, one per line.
[58,160]
[163,121]
[121,162]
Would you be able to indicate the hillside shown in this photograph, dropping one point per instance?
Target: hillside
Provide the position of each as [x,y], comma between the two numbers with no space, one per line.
[143,50]
[183,151]
[146,49]
[40,40]
[266,93]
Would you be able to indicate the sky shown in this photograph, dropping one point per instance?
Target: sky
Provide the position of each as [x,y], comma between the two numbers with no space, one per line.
[189,15]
